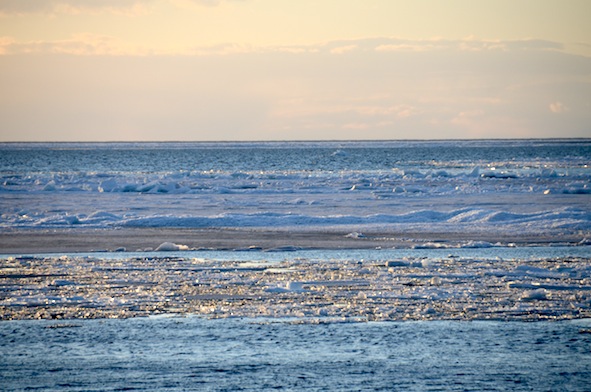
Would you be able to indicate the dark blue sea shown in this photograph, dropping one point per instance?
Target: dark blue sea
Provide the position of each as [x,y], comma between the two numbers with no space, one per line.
[190,353]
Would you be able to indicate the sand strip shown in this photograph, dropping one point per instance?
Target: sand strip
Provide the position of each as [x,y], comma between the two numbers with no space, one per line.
[136,239]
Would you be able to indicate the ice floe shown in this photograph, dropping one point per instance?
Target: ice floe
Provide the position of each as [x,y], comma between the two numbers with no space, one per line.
[171,247]
[409,288]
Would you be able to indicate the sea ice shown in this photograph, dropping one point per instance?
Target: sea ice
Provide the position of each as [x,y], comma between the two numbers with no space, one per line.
[288,287]
[535,295]
[409,289]
[171,247]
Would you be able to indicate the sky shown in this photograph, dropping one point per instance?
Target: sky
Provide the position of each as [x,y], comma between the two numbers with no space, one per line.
[202,70]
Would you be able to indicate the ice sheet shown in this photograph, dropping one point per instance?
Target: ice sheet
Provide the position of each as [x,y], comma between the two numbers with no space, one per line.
[528,186]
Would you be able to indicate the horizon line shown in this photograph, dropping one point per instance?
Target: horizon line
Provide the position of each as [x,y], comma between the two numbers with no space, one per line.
[290,140]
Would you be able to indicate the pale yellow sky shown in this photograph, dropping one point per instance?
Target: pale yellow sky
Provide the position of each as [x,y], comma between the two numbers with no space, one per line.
[180,25]
[284,69]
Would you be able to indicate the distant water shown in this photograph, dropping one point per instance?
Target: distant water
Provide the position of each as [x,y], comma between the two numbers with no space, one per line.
[232,157]
[179,354]
[511,185]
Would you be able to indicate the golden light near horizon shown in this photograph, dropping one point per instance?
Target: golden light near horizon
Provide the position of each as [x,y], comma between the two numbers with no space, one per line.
[262,69]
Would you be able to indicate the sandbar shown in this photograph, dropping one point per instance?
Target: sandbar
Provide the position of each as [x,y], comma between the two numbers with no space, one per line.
[34,241]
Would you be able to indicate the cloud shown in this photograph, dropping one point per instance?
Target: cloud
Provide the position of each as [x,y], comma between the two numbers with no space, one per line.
[343,49]
[401,45]
[558,107]
[79,44]
[86,44]
[220,49]
[397,111]
[333,90]
[467,44]
[206,3]
[22,7]
[5,45]
[468,118]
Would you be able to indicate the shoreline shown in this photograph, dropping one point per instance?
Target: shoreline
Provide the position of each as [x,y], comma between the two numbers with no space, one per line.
[31,241]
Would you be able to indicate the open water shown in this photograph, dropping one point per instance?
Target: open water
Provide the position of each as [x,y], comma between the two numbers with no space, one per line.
[180,354]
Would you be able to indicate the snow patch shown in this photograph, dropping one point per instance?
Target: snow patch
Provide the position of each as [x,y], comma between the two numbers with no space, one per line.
[171,247]
[535,295]
[355,235]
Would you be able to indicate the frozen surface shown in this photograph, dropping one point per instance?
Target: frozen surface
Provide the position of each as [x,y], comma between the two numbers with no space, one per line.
[179,354]
[511,187]
[470,194]
[307,286]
